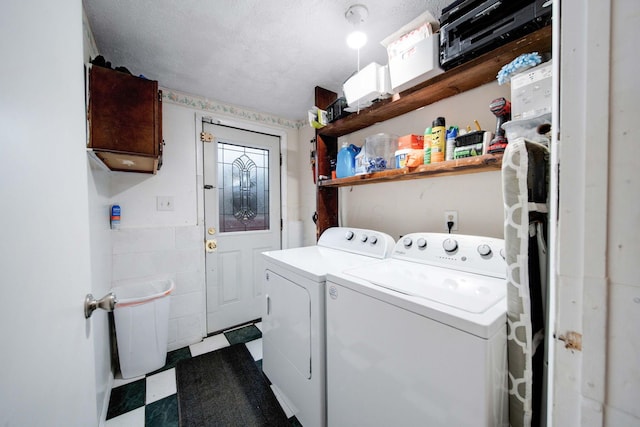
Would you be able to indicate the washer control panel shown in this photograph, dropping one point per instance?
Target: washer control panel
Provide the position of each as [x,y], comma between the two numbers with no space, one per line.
[475,254]
[358,240]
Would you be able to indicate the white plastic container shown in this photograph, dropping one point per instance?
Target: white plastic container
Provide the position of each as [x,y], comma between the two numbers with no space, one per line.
[414,53]
[370,83]
[142,326]
[531,92]
[378,153]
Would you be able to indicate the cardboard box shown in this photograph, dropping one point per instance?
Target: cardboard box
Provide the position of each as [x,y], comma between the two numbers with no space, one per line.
[531,92]
[411,142]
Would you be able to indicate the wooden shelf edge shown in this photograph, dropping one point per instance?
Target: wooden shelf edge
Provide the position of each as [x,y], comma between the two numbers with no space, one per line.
[484,163]
[470,75]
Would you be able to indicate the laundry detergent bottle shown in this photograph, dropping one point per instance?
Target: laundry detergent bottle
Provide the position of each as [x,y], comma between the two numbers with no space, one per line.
[346,164]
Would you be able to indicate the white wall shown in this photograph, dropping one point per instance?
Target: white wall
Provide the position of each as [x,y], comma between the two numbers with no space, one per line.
[623,245]
[598,286]
[307,189]
[136,193]
[100,239]
[165,244]
[402,207]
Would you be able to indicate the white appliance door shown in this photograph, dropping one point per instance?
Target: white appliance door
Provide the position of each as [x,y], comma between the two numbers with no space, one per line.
[286,326]
[389,366]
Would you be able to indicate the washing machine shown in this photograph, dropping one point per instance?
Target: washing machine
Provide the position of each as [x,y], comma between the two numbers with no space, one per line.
[293,323]
[420,338]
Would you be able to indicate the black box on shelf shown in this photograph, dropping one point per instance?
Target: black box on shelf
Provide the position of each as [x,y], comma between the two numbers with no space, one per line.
[469,28]
[336,110]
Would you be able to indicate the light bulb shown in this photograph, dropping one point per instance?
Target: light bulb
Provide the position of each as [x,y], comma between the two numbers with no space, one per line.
[356,39]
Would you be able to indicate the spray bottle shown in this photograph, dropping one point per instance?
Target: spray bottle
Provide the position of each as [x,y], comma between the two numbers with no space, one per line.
[438,140]
[451,142]
[427,146]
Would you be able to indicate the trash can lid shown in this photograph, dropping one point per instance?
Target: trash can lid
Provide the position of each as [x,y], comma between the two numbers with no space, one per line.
[143,292]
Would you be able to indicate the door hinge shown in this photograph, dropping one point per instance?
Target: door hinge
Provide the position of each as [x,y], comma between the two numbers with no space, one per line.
[281,224]
[206,137]
[280,159]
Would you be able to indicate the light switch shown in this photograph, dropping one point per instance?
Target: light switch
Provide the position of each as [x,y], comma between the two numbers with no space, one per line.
[164,203]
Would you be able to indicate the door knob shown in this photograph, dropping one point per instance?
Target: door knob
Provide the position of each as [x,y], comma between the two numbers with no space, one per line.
[107,303]
[211,245]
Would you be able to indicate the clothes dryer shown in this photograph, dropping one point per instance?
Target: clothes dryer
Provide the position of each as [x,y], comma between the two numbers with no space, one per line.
[420,338]
[293,322]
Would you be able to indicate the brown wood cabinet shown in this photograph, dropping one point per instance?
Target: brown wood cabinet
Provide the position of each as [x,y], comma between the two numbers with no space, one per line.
[467,76]
[125,120]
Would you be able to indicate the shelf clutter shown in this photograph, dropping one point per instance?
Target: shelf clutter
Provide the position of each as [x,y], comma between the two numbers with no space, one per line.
[483,163]
[472,74]
[467,59]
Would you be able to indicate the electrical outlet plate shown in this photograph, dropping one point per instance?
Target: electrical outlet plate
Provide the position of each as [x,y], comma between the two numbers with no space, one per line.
[451,216]
[164,203]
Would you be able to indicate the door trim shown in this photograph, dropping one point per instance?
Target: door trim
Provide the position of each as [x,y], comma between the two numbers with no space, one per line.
[252,127]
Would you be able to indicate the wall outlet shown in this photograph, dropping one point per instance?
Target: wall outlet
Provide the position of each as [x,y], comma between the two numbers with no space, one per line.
[453,217]
[164,203]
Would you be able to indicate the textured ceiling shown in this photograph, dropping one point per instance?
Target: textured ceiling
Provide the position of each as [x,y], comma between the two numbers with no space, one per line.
[263,55]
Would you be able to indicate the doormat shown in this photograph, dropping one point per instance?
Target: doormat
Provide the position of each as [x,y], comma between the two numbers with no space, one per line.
[225,388]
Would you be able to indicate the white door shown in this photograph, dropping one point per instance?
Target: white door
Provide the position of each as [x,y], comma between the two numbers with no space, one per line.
[242,220]
[47,356]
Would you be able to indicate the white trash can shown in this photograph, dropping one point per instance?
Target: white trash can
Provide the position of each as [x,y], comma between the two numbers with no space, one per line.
[142,326]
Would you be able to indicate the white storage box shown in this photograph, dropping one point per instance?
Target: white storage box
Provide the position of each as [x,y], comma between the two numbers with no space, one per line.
[142,326]
[368,84]
[413,53]
[415,65]
[531,92]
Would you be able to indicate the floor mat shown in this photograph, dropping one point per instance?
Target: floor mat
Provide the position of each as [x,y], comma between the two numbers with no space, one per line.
[225,388]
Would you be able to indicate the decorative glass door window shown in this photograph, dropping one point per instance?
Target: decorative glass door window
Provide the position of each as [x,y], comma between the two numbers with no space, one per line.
[243,184]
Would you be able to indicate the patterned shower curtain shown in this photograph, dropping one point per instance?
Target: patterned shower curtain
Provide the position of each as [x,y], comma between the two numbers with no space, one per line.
[525,172]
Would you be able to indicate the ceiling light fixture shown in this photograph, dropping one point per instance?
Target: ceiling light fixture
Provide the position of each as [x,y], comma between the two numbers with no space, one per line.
[357,14]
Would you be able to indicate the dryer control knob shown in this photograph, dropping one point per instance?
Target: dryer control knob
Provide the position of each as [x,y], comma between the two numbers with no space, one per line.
[503,254]
[373,240]
[407,242]
[348,235]
[363,238]
[484,250]
[422,243]
[450,245]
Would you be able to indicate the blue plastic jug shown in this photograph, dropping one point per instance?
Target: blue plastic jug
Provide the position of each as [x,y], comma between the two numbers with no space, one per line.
[346,165]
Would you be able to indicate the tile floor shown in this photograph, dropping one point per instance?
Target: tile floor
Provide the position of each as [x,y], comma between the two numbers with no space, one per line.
[151,401]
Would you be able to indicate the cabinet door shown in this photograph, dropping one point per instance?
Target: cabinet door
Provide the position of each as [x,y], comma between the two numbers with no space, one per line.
[124,113]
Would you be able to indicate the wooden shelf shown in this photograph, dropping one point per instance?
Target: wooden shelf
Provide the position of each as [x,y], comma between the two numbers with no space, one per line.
[484,163]
[472,74]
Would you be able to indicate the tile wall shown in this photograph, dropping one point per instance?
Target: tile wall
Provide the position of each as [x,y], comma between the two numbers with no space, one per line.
[167,252]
